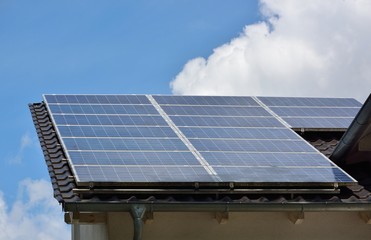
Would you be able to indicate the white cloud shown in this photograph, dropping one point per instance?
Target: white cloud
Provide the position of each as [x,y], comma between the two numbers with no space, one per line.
[34,215]
[303,48]
[25,142]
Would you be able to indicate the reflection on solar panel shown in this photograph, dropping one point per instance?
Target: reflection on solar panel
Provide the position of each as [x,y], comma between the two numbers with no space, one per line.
[127,139]
[328,113]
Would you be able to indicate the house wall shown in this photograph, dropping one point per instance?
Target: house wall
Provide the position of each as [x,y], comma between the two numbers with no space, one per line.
[251,225]
[89,232]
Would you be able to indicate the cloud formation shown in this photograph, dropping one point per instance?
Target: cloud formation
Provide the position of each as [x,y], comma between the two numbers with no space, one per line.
[302,48]
[34,215]
[25,142]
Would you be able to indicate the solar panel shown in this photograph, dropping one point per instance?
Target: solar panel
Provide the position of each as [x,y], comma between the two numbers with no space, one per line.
[223,121]
[102,109]
[310,102]
[316,123]
[205,100]
[238,132]
[133,174]
[126,139]
[215,111]
[116,131]
[325,113]
[128,158]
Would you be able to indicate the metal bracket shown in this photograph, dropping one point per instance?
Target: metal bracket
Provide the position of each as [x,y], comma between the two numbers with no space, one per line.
[138,212]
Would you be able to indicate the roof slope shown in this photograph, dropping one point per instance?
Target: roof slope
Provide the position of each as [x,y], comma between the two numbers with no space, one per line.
[66,190]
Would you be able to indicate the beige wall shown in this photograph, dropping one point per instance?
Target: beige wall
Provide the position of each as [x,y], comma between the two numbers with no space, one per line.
[254,225]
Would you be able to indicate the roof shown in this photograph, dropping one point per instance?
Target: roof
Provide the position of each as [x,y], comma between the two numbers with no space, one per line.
[353,152]
[68,193]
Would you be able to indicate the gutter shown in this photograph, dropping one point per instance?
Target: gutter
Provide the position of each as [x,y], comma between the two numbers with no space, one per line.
[219,207]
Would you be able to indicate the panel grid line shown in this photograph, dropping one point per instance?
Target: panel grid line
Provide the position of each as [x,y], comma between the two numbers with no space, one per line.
[194,151]
[271,112]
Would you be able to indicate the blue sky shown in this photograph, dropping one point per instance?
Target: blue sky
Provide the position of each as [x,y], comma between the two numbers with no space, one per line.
[106,47]
[233,47]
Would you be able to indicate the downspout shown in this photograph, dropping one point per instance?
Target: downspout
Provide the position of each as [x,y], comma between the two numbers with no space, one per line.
[137,213]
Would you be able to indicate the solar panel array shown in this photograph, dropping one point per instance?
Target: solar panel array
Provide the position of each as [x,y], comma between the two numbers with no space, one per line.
[157,138]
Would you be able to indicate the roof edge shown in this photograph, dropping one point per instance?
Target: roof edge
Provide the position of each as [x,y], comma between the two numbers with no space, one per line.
[355,131]
[60,173]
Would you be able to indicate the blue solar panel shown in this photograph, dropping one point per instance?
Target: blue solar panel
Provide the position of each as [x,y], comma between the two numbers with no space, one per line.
[317,123]
[116,131]
[226,121]
[309,102]
[109,144]
[267,159]
[149,158]
[315,112]
[100,120]
[138,138]
[243,145]
[102,109]
[149,174]
[98,99]
[237,133]
[281,174]
[215,110]
[205,100]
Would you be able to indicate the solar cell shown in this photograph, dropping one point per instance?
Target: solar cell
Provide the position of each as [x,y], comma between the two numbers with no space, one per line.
[137,138]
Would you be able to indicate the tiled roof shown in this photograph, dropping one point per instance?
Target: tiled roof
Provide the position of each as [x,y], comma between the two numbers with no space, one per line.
[60,173]
[66,190]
